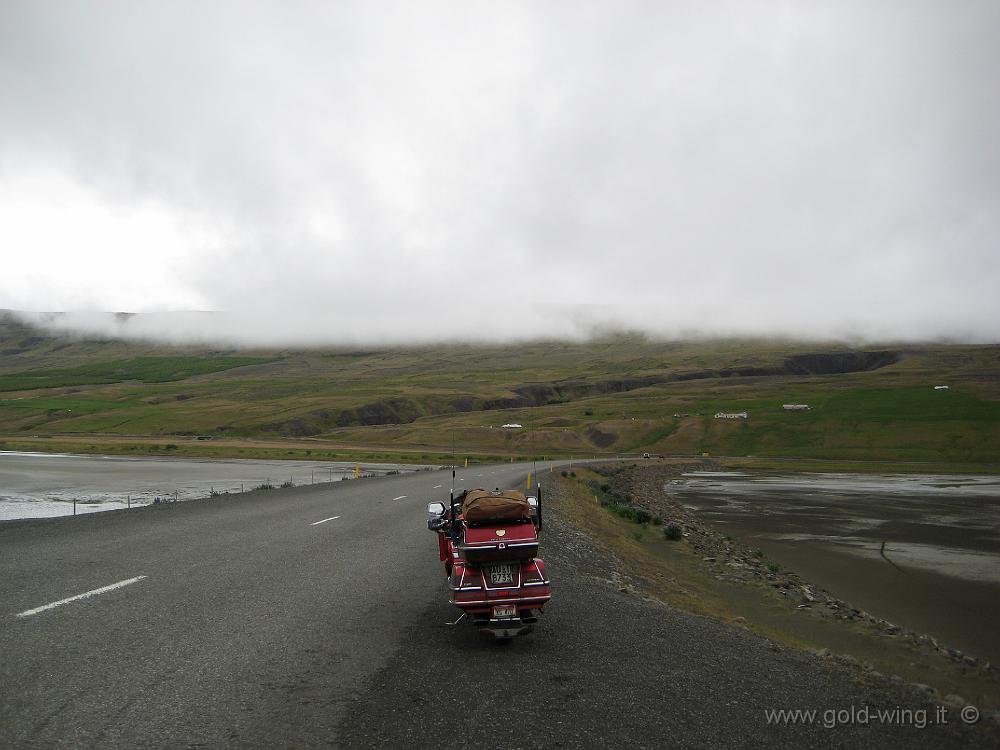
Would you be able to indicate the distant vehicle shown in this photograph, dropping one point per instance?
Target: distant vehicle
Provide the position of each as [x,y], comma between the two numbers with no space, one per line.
[512,426]
[646,455]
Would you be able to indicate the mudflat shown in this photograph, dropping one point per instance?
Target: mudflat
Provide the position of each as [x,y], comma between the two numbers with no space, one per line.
[922,551]
[38,485]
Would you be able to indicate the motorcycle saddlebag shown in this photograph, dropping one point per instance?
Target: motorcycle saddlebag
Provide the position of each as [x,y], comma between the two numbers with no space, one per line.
[485,507]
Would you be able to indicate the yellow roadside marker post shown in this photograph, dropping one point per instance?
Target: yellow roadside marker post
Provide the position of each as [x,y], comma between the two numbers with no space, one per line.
[357,471]
[529,480]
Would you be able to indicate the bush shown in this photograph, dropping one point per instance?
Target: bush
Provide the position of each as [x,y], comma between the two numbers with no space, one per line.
[773,567]
[673,532]
[641,515]
[605,487]
[573,474]
[657,521]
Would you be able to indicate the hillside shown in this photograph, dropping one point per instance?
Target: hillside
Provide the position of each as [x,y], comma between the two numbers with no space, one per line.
[618,395]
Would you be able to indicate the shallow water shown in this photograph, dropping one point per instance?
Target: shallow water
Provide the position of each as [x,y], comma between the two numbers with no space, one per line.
[927,519]
[40,485]
[920,550]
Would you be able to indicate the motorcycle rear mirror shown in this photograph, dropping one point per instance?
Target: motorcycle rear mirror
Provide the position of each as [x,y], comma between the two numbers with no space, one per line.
[435,509]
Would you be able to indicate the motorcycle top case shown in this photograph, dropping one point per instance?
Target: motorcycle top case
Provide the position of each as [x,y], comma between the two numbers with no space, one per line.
[498,542]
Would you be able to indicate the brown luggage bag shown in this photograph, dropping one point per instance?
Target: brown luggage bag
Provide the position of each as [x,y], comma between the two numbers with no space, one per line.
[483,506]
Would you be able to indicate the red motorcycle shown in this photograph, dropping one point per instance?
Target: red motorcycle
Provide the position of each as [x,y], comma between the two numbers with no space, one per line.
[488,542]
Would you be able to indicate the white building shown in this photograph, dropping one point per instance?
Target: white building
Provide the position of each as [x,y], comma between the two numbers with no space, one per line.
[795,407]
[732,415]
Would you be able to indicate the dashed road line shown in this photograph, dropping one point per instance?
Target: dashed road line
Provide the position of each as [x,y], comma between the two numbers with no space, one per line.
[436,487]
[85,595]
[401,497]
[331,518]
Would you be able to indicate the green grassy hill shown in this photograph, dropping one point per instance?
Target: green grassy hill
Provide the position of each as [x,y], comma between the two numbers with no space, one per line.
[626,394]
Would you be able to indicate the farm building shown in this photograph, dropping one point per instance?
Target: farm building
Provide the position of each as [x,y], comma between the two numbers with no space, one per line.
[732,415]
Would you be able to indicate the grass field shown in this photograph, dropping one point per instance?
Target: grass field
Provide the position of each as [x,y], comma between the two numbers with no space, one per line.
[619,395]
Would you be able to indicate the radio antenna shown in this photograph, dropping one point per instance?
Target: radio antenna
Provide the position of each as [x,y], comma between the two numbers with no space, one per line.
[451,506]
[538,499]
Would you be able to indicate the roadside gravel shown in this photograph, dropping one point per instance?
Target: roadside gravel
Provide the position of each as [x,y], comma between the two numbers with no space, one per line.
[607,667]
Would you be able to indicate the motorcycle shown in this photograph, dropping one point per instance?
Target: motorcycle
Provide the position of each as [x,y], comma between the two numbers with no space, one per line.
[488,542]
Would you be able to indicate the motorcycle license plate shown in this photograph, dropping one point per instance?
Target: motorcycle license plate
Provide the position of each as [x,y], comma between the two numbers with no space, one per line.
[501,574]
[504,612]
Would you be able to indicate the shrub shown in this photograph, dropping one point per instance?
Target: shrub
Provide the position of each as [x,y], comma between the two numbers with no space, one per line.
[673,532]
[641,515]
[657,521]
[573,474]
[605,487]
[564,474]
[773,567]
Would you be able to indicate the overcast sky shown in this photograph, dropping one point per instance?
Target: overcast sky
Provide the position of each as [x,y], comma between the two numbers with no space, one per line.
[419,170]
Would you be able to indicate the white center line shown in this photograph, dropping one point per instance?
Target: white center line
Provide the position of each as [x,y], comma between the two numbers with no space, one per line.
[401,497]
[331,518]
[436,487]
[85,595]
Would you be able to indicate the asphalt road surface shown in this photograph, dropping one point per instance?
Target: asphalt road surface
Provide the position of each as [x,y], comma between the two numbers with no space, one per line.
[315,617]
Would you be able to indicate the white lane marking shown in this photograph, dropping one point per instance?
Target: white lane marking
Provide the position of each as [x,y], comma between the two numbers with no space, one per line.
[401,497]
[331,518]
[436,487]
[85,595]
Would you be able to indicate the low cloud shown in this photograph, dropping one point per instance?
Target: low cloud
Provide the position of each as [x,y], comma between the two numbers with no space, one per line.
[408,173]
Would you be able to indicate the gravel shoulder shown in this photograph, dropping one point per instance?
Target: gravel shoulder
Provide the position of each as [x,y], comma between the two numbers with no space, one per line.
[611,666]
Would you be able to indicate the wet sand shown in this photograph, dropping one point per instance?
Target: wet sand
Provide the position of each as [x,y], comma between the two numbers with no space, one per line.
[940,572]
[40,485]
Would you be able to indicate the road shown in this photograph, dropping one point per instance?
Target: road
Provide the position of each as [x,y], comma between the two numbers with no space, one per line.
[315,617]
